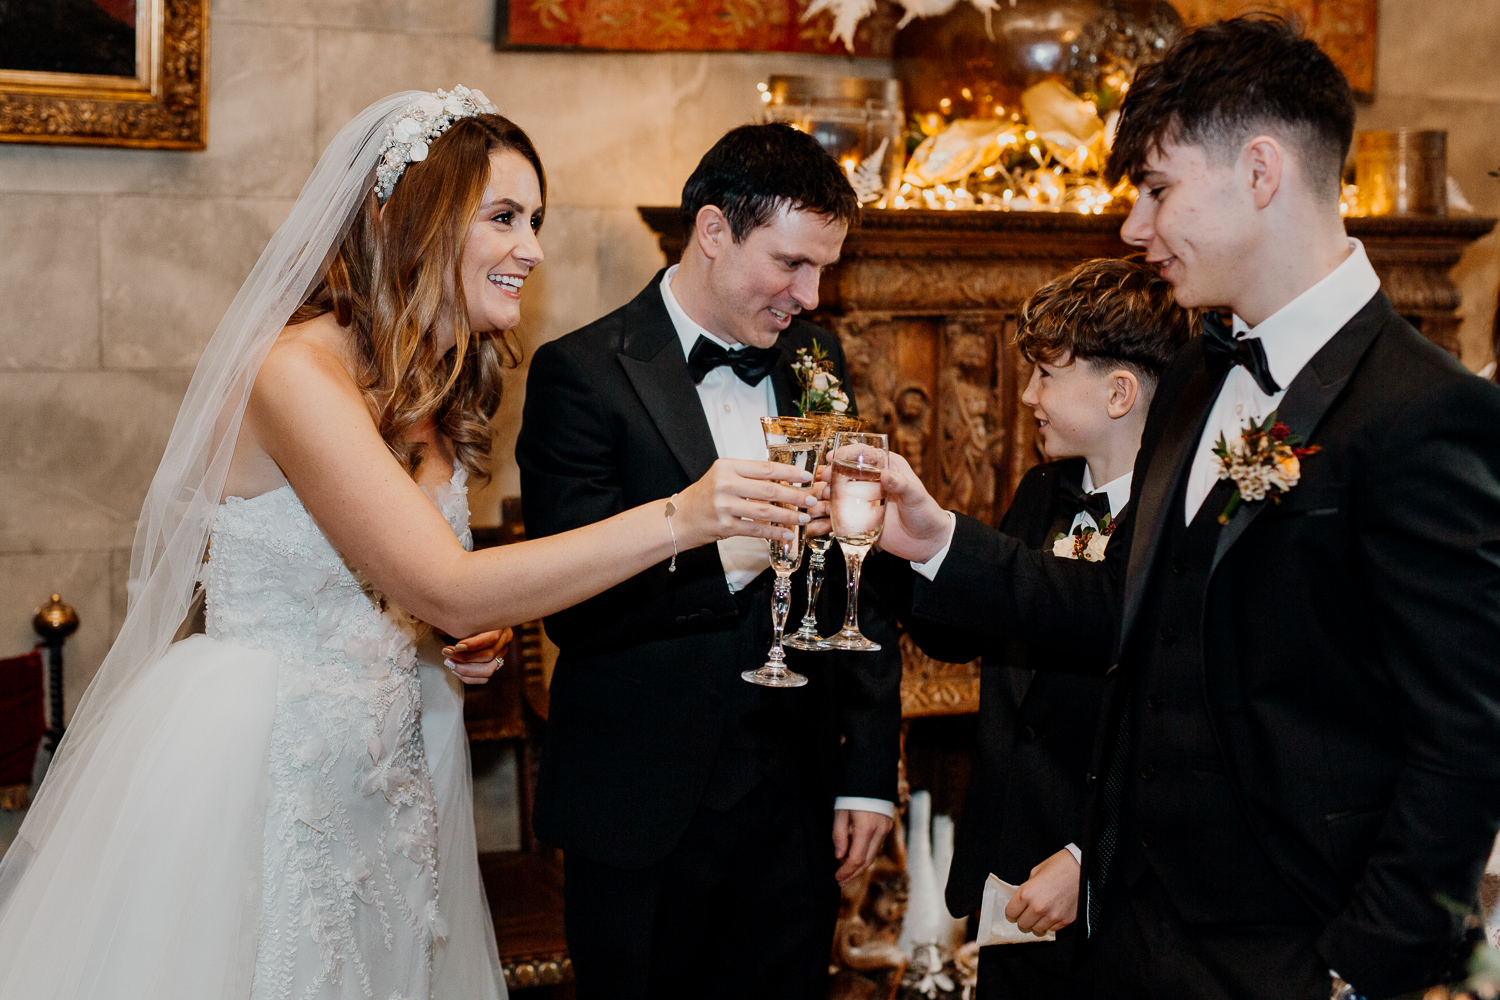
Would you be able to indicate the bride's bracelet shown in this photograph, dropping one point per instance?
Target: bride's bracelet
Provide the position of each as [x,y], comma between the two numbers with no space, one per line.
[672,509]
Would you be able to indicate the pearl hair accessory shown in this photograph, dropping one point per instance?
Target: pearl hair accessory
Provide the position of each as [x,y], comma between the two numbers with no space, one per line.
[426,118]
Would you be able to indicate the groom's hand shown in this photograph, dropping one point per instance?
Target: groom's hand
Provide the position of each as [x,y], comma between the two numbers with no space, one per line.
[1048,900]
[857,836]
[916,527]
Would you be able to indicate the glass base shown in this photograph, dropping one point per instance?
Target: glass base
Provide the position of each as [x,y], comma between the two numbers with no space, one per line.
[850,639]
[774,677]
[807,642]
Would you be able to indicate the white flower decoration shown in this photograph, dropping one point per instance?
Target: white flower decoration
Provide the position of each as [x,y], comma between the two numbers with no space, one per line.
[1094,551]
[408,139]
[1063,547]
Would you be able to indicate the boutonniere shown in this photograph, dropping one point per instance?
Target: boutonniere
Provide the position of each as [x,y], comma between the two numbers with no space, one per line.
[821,389]
[1265,461]
[1086,543]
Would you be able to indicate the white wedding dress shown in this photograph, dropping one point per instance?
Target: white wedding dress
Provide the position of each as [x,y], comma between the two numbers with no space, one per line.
[285,807]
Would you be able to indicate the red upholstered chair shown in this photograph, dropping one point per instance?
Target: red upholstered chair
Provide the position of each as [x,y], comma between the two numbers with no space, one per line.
[22,722]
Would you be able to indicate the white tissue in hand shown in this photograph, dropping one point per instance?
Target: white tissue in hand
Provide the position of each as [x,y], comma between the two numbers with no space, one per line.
[994,928]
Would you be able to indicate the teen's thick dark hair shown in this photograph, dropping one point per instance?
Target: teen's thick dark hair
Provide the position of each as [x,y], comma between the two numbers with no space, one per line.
[1109,313]
[755,170]
[1224,83]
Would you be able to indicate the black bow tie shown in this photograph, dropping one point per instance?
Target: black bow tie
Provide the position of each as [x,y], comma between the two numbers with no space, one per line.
[1096,505]
[1223,352]
[751,364]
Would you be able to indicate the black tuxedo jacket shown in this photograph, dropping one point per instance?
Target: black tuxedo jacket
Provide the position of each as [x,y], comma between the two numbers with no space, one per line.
[1027,791]
[648,679]
[1350,636]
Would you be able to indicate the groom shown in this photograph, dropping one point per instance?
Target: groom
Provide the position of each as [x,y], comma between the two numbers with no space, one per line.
[695,809]
[1297,784]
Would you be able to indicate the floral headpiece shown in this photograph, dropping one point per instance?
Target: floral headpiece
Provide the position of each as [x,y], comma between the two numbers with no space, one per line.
[426,118]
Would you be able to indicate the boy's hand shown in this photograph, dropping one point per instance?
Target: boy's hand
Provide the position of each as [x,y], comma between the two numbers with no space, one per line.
[916,527]
[1048,900]
[476,658]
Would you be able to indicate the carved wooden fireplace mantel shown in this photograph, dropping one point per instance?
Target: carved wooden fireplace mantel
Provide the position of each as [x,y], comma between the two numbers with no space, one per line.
[925,301]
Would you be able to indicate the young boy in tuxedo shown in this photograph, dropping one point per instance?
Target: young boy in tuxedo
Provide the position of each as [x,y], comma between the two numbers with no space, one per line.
[1098,337]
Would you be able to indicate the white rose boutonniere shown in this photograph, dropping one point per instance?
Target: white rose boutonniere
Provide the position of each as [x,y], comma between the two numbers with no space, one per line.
[1086,542]
[822,392]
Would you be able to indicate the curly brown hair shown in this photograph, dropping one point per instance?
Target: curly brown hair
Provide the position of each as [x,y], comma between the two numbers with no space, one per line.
[1108,312]
[398,274]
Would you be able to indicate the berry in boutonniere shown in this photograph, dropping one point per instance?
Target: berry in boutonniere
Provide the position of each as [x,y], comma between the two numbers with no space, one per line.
[1264,461]
[822,392]
[1086,543]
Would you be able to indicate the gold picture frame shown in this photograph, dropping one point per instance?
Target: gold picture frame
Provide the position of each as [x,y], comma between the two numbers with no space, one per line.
[163,106]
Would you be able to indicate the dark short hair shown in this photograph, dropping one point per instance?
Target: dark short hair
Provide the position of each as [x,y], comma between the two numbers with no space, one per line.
[1221,84]
[756,170]
[1108,312]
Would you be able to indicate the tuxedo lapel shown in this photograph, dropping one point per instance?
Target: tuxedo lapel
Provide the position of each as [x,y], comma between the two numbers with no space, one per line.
[781,383]
[1310,395]
[653,361]
[1169,463]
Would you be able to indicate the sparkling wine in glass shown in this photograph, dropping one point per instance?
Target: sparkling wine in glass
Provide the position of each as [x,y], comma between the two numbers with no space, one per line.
[807,636]
[798,447]
[858,503]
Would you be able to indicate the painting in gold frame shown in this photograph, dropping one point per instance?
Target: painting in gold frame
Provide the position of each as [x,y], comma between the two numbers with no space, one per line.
[108,73]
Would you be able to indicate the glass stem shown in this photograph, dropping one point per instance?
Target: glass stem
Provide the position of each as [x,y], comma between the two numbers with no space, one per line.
[814,588]
[781,605]
[854,560]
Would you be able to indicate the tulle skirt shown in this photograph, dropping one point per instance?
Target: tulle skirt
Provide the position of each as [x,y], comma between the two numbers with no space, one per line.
[146,881]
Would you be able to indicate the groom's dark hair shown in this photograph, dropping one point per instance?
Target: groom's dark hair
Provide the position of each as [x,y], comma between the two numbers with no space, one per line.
[756,170]
[1224,83]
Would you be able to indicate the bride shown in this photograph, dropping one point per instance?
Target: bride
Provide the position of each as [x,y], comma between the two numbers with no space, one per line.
[281,808]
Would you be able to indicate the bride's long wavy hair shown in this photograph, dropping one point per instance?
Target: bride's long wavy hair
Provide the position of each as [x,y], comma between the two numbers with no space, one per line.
[398,275]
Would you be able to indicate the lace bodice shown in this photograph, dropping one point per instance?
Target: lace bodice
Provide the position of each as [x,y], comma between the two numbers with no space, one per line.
[350,887]
[274,582]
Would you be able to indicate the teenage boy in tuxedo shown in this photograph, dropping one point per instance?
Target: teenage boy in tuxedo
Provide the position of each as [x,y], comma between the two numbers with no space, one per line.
[695,809]
[1098,338]
[1296,786]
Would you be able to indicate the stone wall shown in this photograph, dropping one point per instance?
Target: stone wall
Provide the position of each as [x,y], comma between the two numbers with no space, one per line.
[1436,68]
[115,265]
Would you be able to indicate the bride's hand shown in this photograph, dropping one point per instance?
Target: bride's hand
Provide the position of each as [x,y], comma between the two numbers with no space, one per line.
[739,497]
[476,658]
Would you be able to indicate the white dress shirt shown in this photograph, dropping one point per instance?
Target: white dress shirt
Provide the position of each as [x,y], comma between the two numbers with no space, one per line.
[1290,336]
[733,410]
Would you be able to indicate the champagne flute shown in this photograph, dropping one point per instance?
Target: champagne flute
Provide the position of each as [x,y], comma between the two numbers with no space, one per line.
[789,441]
[858,502]
[807,637]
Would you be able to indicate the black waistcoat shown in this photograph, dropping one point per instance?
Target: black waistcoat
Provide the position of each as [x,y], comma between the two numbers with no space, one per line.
[1180,815]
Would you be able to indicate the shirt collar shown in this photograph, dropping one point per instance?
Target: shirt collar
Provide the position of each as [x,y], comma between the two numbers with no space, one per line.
[688,331]
[1299,329]
[1117,489]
